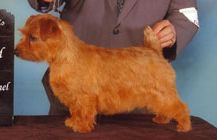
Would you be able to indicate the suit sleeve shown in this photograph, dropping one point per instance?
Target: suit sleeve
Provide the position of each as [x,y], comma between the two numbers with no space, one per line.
[185,28]
[44,7]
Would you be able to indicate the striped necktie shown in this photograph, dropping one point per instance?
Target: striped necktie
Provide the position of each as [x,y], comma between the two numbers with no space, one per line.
[120,5]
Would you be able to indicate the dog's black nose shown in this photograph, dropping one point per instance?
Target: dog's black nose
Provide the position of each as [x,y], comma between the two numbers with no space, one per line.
[16,52]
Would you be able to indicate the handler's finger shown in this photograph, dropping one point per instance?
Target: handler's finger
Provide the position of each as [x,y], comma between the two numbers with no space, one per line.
[166,31]
[168,37]
[167,44]
[160,25]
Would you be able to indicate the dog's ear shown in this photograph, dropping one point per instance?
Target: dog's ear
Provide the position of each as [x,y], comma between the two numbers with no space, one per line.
[49,28]
[29,20]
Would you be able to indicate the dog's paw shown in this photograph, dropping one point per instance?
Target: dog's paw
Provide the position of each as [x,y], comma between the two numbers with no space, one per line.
[159,119]
[184,128]
[79,126]
[69,123]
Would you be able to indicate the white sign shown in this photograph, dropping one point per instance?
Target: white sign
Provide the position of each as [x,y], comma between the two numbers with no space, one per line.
[1,52]
[5,87]
[2,23]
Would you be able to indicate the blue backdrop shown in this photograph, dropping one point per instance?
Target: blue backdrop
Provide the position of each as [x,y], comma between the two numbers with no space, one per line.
[196,67]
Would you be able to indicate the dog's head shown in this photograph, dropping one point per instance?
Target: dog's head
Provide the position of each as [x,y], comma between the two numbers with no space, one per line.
[41,37]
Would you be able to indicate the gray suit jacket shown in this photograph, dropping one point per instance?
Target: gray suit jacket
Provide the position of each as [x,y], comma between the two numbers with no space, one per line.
[96,22]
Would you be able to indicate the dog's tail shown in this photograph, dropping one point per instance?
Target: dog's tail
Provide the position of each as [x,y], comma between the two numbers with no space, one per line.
[151,40]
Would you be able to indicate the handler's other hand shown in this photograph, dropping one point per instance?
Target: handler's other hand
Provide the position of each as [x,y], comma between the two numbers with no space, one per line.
[165,32]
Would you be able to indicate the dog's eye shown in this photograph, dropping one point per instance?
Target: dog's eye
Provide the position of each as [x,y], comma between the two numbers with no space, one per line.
[32,38]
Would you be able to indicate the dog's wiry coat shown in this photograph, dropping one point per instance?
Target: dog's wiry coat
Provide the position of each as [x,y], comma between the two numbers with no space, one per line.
[92,80]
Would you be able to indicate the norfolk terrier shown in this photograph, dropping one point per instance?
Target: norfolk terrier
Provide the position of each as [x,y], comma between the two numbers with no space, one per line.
[91,80]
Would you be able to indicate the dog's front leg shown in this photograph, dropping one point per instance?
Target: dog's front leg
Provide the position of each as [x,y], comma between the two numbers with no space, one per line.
[83,112]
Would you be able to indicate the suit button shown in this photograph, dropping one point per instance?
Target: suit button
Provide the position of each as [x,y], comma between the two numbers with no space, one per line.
[116,31]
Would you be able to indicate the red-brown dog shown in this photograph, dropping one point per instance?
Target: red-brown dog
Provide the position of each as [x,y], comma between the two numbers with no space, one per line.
[91,80]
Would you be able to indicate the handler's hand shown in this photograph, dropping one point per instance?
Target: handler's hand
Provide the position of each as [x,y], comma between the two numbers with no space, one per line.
[165,32]
[48,0]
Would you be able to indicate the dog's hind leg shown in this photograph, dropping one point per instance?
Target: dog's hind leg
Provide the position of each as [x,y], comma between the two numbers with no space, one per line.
[177,111]
[181,115]
[168,106]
